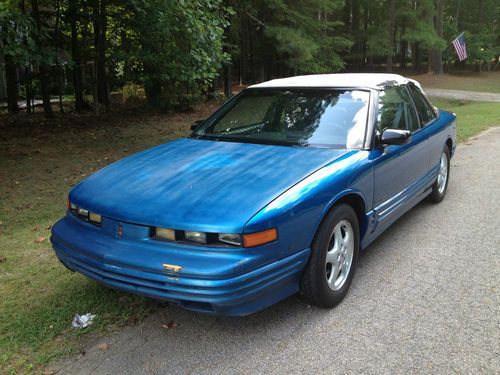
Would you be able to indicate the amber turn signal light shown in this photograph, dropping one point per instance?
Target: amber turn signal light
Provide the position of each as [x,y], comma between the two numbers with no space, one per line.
[260,238]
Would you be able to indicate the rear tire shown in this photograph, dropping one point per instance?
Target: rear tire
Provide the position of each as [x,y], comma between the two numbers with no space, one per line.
[441,184]
[334,257]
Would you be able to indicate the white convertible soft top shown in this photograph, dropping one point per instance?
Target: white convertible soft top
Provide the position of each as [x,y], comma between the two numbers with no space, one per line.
[366,80]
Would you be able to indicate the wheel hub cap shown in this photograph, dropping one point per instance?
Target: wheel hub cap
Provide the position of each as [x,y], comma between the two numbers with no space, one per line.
[340,254]
[443,173]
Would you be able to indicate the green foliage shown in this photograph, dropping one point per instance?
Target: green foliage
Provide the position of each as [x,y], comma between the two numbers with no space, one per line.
[20,38]
[479,20]
[304,34]
[180,47]
[16,34]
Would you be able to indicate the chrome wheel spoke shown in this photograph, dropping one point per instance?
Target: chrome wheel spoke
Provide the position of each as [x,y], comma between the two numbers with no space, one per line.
[334,273]
[331,257]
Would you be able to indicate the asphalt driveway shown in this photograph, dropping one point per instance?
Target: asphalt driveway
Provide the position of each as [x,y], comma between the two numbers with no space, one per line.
[425,299]
[464,95]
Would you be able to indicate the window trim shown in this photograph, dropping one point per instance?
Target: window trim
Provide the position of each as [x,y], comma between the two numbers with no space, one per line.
[412,105]
[366,144]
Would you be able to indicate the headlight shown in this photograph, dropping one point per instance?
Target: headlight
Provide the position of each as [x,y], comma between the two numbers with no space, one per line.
[199,237]
[84,214]
[230,238]
[95,218]
[165,233]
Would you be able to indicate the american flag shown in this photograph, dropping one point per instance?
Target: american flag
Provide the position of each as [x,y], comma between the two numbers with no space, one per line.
[459,44]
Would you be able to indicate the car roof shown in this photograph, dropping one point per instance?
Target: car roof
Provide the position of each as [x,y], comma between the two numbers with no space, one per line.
[365,80]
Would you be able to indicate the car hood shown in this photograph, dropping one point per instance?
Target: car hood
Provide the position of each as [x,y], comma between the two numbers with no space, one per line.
[203,185]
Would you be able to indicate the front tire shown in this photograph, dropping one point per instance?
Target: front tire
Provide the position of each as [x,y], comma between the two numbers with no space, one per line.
[333,260]
[441,185]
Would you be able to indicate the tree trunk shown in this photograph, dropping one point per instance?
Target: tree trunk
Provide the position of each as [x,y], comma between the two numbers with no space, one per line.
[57,45]
[100,25]
[404,47]
[228,80]
[436,54]
[76,56]
[29,89]
[416,56]
[152,89]
[43,68]
[392,34]
[11,75]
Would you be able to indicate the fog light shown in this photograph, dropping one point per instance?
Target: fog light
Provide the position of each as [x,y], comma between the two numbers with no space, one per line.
[168,234]
[199,237]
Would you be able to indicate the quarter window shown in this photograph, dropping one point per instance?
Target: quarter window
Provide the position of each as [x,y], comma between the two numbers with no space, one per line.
[395,110]
[425,112]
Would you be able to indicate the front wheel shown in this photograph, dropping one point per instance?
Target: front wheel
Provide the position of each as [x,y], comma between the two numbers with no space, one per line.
[334,256]
[441,184]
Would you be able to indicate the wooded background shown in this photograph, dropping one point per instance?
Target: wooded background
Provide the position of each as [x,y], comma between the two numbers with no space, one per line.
[178,52]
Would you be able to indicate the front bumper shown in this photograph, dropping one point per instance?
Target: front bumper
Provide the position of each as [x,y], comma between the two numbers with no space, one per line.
[216,281]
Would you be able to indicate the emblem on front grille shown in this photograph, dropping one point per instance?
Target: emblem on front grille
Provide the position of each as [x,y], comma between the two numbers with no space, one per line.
[119,231]
[172,267]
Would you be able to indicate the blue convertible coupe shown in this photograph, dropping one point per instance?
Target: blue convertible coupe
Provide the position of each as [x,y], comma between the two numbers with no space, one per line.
[275,193]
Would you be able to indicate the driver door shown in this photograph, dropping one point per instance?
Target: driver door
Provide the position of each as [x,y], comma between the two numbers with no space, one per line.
[397,168]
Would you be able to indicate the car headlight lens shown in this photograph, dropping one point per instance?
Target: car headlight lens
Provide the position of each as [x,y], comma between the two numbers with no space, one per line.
[217,239]
[165,233]
[199,237]
[84,214]
[95,218]
[230,238]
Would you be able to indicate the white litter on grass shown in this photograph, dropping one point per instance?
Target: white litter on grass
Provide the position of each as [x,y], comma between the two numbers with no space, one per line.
[82,321]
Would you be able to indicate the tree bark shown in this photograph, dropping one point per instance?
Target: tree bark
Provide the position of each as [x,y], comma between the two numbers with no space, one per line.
[76,56]
[100,26]
[436,55]
[152,89]
[228,80]
[43,68]
[392,34]
[11,75]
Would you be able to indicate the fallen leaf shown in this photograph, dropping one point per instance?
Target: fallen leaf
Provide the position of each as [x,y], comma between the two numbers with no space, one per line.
[40,239]
[2,258]
[48,227]
[49,372]
[104,346]
[169,325]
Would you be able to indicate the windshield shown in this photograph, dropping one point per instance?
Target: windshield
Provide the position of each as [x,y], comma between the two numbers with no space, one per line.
[297,117]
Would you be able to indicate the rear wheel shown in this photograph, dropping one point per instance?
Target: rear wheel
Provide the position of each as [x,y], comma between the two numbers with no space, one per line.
[334,256]
[441,184]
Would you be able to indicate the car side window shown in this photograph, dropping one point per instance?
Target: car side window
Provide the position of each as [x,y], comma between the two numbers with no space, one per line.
[395,110]
[425,112]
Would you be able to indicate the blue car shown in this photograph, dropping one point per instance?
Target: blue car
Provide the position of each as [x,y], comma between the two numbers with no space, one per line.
[275,193]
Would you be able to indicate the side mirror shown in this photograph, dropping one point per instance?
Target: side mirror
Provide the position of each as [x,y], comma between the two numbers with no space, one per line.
[195,125]
[395,137]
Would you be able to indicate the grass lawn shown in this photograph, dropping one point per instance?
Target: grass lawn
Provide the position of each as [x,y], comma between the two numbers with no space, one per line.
[472,117]
[485,81]
[40,160]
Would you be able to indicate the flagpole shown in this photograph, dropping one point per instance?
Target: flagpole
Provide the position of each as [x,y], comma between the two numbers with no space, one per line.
[463,32]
